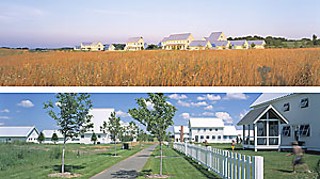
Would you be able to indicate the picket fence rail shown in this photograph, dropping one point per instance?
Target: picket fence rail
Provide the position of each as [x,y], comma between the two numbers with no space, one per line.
[226,164]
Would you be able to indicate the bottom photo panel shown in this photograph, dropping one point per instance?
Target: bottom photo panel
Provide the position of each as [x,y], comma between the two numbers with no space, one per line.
[160,135]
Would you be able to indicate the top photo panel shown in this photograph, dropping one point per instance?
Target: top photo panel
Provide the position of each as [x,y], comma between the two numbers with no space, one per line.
[160,43]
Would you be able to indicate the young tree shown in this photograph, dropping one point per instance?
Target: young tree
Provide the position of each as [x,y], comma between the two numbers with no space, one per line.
[41,138]
[113,127]
[94,138]
[72,117]
[157,118]
[54,138]
[132,129]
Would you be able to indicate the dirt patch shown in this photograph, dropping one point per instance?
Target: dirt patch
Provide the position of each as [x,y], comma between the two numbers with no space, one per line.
[157,176]
[64,175]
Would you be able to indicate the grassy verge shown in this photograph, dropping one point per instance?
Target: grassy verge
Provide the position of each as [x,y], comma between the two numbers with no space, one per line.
[277,164]
[37,161]
[174,165]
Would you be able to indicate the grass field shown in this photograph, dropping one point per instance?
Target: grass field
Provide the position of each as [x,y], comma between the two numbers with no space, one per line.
[37,161]
[269,67]
[174,165]
[277,164]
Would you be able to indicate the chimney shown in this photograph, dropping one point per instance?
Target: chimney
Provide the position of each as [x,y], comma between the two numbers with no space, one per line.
[181,133]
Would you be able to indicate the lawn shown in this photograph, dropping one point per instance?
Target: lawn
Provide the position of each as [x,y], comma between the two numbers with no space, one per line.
[37,161]
[174,165]
[277,164]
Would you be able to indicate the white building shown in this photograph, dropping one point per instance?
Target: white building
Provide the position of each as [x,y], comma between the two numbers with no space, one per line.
[181,133]
[90,46]
[177,41]
[135,44]
[211,130]
[99,116]
[280,119]
[218,40]
[48,137]
[21,133]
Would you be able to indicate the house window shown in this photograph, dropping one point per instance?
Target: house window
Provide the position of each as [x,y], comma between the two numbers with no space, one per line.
[286,131]
[210,129]
[225,137]
[82,136]
[304,103]
[198,130]
[213,137]
[201,137]
[207,137]
[216,129]
[305,130]
[286,107]
[204,130]
[99,136]
[219,137]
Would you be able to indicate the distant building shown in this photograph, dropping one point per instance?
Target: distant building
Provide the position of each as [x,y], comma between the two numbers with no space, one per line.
[48,136]
[109,47]
[200,45]
[91,46]
[177,41]
[257,44]
[211,130]
[221,45]
[21,133]
[181,133]
[135,44]
[218,40]
[239,44]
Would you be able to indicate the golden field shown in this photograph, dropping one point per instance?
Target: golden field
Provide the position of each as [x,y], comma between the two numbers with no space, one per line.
[269,67]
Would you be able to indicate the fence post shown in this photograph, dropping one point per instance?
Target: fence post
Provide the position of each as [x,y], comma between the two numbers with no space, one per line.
[258,167]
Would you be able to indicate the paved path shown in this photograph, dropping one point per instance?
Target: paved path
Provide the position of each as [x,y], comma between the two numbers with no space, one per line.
[128,168]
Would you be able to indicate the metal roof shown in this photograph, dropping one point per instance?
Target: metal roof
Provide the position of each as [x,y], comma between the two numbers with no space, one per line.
[198,43]
[268,97]
[184,36]
[134,39]
[14,131]
[219,43]
[214,36]
[206,122]
[237,42]
[251,116]
[49,133]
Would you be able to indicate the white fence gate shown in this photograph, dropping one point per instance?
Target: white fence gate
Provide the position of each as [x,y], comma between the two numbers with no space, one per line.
[225,163]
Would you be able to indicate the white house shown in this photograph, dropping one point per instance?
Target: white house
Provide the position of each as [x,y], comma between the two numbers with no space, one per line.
[280,119]
[211,130]
[135,44]
[109,47]
[200,45]
[99,116]
[239,44]
[21,133]
[257,44]
[91,46]
[177,41]
[218,40]
[181,133]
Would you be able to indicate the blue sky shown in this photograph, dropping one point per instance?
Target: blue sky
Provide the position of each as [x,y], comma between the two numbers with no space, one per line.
[59,23]
[26,109]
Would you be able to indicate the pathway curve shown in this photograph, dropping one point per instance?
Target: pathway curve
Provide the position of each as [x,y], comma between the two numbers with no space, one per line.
[128,168]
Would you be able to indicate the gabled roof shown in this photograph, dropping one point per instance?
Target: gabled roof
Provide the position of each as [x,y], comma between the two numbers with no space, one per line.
[184,36]
[164,39]
[134,39]
[219,43]
[206,122]
[256,42]
[268,97]
[176,129]
[254,115]
[198,43]
[14,131]
[49,133]
[237,42]
[214,36]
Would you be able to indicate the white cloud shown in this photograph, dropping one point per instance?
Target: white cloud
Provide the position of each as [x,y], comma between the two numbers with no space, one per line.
[177,96]
[210,107]
[5,111]
[225,117]
[26,104]
[201,98]
[237,96]
[210,97]
[149,105]
[1,124]
[198,104]
[4,117]
[185,115]
[122,114]
[207,114]
[184,104]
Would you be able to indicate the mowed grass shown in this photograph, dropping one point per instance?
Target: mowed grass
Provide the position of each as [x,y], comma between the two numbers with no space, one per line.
[37,161]
[174,165]
[268,67]
[277,164]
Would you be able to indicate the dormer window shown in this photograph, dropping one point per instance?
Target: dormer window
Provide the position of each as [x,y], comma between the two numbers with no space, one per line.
[304,103]
[286,107]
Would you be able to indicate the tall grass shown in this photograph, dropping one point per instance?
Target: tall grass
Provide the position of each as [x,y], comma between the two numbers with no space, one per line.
[269,67]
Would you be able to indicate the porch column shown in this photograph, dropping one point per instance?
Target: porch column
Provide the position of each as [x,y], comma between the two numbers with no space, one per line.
[255,137]
[249,134]
[243,134]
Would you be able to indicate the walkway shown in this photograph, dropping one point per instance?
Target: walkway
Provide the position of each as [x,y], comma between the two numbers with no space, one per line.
[128,168]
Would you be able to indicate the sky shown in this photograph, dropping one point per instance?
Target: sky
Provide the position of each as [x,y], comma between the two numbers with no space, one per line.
[62,23]
[26,109]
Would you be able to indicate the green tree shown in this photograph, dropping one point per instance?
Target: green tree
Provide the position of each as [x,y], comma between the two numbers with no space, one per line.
[41,138]
[132,130]
[71,112]
[54,138]
[157,119]
[113,127]
[253,45]
[314,39]
[94,138]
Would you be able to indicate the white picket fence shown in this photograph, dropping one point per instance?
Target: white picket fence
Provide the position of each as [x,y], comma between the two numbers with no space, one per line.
[226,164]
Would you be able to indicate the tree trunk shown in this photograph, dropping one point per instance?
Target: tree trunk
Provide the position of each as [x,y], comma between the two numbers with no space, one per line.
[160,158]
[63,150]
[115,148]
